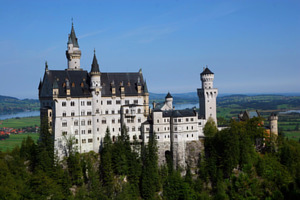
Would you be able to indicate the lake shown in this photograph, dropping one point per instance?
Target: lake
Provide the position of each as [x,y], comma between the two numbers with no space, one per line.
[290,111]
[20,114]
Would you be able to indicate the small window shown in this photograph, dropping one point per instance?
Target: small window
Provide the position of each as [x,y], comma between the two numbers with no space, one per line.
[72,103]
[89,122]
[64,133]
[126,102]
[108,102]
[135,101]
[82,113]
[64,114]
[112,112]
[88,103]
[103,121]
[83,141]
[192,119]
[76,132]
[83,132]
[72,114]
[89,131]
[186,119]
[139,120]
[64,124]
[82,103]
[90,140]
[118,102]
[89,113]
[133,128]
[76,123]
[113,121]
[82,123]
[63,103]
[106,112]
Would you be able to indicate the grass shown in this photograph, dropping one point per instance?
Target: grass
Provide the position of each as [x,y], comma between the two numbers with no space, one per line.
[16,140]
[293,135]
[20,122]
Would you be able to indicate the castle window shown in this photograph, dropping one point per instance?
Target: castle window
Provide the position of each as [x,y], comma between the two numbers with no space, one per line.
[64,133]
[76,141]
[127,111]
[165,136]
[133,128]
[119,121]
[103,121]
[175,135]
[187,128]
[157,137]
[127,128]
[88,103]
[187,135]
[157,129]
[192,135]
[147,129]
[139,129]
[140,137]
[192,127]
[82,113]
[139,120]
[89,131]
[89,122]
[179,120]
[113,121]
[73,114]
[97,129]
[135,101]
[63,103]
[76,132]
[64,114]
[83,132]
[82,103]
[64,124]
[72,103]
[81,84]
[168,136]
[82,123]
[128,120]
[192,119]
[118,102]
[73,84]
[98,138]
[108,102]
[113,112]
[126,102]
[90,140]
[175,128]
[97,110]
[186,119]
[118,111]
[106,112]
[175,120]
[158,121]
[139,110]
[89,113]
[113,129]
[83,141]
[76,123]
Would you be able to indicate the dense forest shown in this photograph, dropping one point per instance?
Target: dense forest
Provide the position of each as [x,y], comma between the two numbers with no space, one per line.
[239,162]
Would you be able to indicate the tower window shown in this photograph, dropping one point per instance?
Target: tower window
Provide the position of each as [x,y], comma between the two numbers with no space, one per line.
[63,103]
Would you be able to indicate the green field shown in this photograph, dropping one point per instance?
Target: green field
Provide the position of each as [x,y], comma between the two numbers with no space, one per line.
[16,140]
[20,122]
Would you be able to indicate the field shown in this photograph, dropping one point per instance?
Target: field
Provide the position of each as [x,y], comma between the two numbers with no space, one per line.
[16,140]
[20,122]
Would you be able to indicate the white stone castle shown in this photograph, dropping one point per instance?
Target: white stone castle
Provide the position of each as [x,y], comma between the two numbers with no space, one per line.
[82,104]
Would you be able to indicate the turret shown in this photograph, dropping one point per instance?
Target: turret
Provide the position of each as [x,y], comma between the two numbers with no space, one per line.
[207,78]
[169,100]
[273,119]
[73,53]
[95,75]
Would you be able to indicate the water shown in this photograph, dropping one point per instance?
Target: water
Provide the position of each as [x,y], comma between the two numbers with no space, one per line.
[20,114]
[290,111]
[186,105]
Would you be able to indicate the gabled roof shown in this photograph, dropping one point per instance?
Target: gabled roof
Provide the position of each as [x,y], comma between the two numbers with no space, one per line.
[206,71]
[128,80]
[179,113]
[72,38]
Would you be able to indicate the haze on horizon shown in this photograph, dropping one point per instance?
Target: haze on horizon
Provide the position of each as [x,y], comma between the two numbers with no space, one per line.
[251,46]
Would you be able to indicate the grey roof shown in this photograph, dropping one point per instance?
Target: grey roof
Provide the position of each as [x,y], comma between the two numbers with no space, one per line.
[179,113]
[128,80]
[72,38]
[79,82]
[145,87]
[206,71]
[168,95]
[95,66]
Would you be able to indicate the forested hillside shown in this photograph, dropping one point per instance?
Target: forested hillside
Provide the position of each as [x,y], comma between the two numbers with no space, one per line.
[234,166]
[9,105]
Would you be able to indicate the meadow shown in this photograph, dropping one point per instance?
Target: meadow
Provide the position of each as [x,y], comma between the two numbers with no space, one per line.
[16,140]
[20,122]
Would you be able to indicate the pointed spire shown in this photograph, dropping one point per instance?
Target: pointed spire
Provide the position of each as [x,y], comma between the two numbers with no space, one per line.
[95,66]
[46,66]
[169,95]
[145,87]
[72,37]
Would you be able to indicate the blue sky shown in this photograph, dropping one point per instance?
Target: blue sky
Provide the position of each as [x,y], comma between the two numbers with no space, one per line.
[251,46]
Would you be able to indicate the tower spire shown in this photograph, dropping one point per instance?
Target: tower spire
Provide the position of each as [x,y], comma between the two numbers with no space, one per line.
[95,65]
[73,52]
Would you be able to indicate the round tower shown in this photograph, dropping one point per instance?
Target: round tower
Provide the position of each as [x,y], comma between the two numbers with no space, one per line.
[73,53]
[273,119]
[169,100]
[95,75]
[207,79]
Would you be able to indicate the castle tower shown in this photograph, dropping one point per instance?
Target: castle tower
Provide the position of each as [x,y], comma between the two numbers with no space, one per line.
[73,53]
[169,100]
[207,96]
[273,119]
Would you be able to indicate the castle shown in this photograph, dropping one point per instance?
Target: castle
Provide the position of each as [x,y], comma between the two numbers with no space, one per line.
[82,104]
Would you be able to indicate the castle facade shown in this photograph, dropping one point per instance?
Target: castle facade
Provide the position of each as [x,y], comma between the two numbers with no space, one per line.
[81,104]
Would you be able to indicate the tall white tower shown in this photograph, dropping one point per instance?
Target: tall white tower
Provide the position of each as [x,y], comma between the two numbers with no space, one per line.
[273,119]
[207,96]
[73,53]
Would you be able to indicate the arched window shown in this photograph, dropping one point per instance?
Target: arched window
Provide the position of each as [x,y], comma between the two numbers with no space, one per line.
[139,110]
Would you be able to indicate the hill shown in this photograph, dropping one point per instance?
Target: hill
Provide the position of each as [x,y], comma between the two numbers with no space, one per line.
[9,105]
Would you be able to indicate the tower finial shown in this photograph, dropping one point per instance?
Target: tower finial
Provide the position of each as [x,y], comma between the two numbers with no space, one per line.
[94,51]
[72,20]
[46,66]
